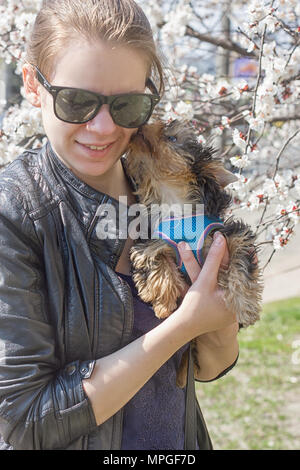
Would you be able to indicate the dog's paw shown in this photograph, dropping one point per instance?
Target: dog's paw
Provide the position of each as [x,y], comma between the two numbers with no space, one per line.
[157,277]
[242,282]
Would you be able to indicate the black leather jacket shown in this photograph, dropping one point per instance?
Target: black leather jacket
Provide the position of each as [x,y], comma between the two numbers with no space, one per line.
[61,307]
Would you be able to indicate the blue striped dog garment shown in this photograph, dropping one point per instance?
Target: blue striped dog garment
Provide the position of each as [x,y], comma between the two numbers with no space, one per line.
[192,229]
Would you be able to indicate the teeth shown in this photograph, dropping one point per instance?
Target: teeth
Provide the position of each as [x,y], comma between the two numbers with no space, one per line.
[93,147]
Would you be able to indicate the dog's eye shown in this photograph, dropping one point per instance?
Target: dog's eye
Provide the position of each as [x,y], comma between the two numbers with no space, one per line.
[172,138]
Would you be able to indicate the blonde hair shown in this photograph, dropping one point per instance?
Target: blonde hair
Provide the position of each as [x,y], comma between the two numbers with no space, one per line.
[59,22]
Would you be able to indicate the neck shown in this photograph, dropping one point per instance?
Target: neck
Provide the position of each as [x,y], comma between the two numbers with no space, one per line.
[115,184]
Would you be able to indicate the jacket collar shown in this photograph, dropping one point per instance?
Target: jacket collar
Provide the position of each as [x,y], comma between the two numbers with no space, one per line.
[69,177]
[87,203]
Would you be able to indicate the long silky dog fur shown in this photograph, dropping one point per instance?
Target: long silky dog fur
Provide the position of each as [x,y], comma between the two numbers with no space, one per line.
[169,166]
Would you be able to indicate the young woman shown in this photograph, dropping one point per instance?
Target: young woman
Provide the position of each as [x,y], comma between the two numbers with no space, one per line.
[85,364]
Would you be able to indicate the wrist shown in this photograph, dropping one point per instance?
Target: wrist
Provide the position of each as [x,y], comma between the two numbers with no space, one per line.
[179,326]
[186,325]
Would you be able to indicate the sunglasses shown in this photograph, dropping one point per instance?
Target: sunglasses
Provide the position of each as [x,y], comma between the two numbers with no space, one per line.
[77,106]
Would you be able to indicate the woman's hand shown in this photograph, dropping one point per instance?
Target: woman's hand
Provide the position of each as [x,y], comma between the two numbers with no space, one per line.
[118,377]
[203,303]
[204,307]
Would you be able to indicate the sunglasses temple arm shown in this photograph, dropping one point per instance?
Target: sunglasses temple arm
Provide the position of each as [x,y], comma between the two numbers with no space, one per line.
[151,86]
[43,80]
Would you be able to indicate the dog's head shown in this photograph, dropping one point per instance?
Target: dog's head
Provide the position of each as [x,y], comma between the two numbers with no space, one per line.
[170,154]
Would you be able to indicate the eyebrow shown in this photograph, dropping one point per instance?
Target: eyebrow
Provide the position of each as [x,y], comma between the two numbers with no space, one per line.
[149,84]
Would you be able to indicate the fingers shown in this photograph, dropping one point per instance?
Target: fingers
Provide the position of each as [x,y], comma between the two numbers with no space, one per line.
[218,254]
[214,259]
[191,265]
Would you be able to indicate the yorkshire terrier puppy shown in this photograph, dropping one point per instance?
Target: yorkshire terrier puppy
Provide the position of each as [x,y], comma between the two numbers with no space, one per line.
[170,169]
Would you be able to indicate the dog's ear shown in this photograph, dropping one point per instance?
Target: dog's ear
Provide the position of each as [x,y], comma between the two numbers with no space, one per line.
[224,177]
[207,155]
[207,163]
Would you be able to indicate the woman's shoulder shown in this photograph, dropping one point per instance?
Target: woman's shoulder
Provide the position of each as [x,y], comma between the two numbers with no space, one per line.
[16,186]
[15,171]
[22,182]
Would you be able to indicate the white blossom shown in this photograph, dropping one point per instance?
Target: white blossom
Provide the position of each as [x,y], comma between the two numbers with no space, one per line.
[153,10]
[257,124]
[240,161]
[201,139]
[218,106]
[257,10]
[185,110]
[241,186]
[271,22]
[176,22]
[225,121]
[269,48]
[238,140]
[217,131]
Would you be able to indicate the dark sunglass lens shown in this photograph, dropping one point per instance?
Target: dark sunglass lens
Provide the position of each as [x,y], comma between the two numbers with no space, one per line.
[131,111]
[75,105]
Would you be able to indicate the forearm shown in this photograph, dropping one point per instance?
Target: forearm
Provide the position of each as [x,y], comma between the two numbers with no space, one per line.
[216,351]
[119,376]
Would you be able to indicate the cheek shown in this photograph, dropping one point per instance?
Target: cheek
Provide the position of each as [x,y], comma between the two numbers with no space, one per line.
[129,133]
[54,126]
[47,111]
[45,99]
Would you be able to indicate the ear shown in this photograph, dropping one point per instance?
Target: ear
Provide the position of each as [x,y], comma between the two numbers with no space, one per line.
[224,177]
[31,85]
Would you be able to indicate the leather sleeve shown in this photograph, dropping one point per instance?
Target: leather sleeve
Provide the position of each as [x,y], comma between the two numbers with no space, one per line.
[42,402]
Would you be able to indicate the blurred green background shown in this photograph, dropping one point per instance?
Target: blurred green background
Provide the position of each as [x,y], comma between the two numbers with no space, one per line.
[256,405]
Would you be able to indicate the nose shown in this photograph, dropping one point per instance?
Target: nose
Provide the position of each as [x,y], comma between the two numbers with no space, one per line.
[102,122]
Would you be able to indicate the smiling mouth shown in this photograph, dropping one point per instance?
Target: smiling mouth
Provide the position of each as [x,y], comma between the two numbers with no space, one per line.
[96,147]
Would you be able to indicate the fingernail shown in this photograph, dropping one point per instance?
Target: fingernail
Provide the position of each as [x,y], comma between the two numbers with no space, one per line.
[218,238]
[182,246]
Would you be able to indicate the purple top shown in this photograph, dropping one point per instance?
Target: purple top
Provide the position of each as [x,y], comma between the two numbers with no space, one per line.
[154,417]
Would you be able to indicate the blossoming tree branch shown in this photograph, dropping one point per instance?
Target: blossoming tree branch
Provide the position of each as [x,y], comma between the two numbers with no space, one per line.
[247,106]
